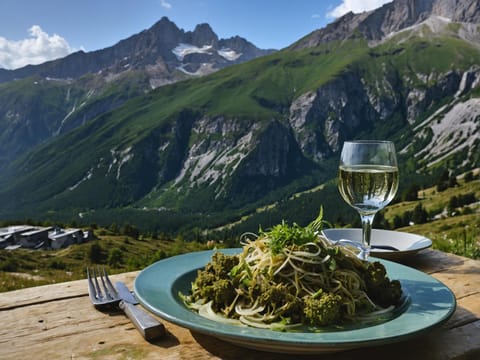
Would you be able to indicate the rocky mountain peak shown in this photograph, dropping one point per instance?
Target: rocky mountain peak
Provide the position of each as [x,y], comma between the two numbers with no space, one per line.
[203,35]
[392,17]
[165,22]
[163,29]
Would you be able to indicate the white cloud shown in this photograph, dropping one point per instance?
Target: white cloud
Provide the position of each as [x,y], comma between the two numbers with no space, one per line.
[165,4]
[36,49]
[357,6]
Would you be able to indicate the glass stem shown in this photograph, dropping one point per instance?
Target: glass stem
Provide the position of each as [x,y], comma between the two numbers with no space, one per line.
[367,220]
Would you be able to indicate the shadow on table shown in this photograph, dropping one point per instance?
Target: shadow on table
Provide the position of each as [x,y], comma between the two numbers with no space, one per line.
[168,340]
[227,351]
[399,350]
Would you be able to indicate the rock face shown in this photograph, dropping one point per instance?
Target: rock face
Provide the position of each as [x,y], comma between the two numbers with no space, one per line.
[392,17]
[346,106]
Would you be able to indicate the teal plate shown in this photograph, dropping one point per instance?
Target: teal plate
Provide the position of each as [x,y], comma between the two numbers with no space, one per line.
[430,303]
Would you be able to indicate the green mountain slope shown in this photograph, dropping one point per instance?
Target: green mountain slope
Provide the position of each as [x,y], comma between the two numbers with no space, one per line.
[253,134]
[258,91]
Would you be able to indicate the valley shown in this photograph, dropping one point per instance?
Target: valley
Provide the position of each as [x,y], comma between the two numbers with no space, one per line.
[127,249]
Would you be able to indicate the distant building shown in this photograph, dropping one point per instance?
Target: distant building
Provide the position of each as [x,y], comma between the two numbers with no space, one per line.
[60,238]
[10,236]
[6,241]
[35,237]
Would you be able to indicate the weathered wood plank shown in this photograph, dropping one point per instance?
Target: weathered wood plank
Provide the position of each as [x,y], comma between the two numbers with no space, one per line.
[431,261]
[45,293]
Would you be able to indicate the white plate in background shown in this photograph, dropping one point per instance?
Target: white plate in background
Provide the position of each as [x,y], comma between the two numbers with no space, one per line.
[406,243]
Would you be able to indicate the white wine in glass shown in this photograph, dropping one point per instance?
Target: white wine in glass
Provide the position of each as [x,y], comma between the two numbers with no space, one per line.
[368,181]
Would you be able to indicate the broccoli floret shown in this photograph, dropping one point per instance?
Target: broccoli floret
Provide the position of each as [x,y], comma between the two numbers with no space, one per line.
[221,292]
[275,296]
[395,291]
[214,282]
[279,298]
[322,310]
[380,288]
[204,278]
[222,264]
[376,274]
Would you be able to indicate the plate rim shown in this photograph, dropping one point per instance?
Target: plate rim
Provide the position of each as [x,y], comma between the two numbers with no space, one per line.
[296,342]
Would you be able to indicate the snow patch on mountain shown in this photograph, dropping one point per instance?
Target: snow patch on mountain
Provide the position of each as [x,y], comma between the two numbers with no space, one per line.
[183,50]
[229,54]
[88,176]
[57,132]
[203,69]
[119,158]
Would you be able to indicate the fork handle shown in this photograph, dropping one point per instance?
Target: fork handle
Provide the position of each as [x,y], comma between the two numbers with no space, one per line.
[149,327]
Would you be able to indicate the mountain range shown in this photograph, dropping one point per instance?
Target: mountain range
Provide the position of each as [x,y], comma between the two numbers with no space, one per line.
[111,145]
[38,102]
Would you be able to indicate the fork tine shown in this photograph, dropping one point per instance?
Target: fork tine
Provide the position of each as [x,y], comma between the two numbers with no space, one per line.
[107,285]
[98,290]
[91,288]
[113,292]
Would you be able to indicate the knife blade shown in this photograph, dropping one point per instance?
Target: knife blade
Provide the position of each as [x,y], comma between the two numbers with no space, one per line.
[125,293]
[384,247]
[147,325]
[359,245]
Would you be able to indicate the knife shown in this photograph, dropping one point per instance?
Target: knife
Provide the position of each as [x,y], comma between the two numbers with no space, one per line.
[149,327]
[359,246]
[384,247]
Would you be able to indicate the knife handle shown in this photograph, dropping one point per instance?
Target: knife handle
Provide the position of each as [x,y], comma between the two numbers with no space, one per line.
[149,327]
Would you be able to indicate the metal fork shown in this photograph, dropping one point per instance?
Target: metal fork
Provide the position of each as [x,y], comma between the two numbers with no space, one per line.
[107,296]
[103,296]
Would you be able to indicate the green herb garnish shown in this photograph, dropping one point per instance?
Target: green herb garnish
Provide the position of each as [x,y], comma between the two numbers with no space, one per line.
[284,235]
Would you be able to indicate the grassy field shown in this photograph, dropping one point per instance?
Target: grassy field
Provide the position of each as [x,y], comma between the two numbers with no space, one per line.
[23,268]
[458,235]
[454,230]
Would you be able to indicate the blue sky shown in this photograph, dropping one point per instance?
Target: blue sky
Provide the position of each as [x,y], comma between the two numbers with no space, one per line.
[34,31]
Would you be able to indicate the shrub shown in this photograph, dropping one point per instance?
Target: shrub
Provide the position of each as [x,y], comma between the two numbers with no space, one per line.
[115,257]
[58,265]
[95,253]
[9,264]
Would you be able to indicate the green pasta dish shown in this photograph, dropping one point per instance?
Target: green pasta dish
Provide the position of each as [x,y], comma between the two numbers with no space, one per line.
[291,277]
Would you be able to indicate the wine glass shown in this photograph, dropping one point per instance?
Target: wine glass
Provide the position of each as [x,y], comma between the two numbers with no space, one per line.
[368,181]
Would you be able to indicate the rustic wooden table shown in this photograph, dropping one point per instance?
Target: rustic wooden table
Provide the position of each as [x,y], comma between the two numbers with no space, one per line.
[59,322]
